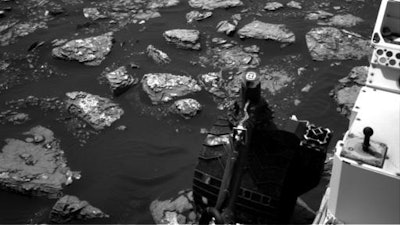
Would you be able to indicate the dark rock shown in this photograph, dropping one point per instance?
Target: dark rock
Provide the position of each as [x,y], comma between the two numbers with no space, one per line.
[272,6]
[345,20]
[196,15]
[97,111]
[93,14]
[213,83]
[213,4]
[187,108]
[163,87]
[294,4]
[90,51]
[346,92]
[157,55]
[225,27]
[70,208]
[35,168]
[55,9]
[327,43]
[183,38]
[261,30]
[120,81]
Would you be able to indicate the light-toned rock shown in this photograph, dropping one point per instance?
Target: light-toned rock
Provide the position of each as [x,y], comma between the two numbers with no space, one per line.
[261,30]
[183,38]
[213,4]
[163,87]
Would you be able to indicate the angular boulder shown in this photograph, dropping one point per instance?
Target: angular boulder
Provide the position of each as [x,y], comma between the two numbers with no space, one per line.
[97,111]
[187,108]
[346,92]
[157,55]
[261,30]
[183,38]
[163,87]
[329,43]
[120,81]
[213,4]
[36,165]
[225,27]
[90,51]
[70,208]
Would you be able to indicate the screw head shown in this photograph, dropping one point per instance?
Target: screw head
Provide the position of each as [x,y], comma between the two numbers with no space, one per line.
[368,131]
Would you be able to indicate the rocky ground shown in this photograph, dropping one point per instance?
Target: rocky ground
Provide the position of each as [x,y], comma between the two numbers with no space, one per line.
[189,71]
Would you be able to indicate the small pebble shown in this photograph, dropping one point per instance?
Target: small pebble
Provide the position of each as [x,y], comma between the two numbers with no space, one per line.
[38,138]
[29,140]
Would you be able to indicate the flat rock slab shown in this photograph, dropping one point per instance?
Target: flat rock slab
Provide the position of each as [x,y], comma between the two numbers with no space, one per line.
[36,165]
[90,51]
[329,43]
[70,207]
[183,38]
[213,4]
[97,111]
[187,108]
[120,81]
[261,30]
[163,87]
[213,83]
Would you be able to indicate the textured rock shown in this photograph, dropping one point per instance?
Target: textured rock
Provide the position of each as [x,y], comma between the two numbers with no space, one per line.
[346,92]
[70,207]
[225,27]
[272,6]
[36,166]
[157,55]
[183,38]
[97,111]
[90,51]
[178,210]
[196,15]
[274,80]
[93,14]
[232,57]
[327,43]
[213,4]
[163,87]
[261,30]
[13,117]
[213,83]
[294,4]
[11,30]
[345,20]
[187,108]
[155,4]
[120,81]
